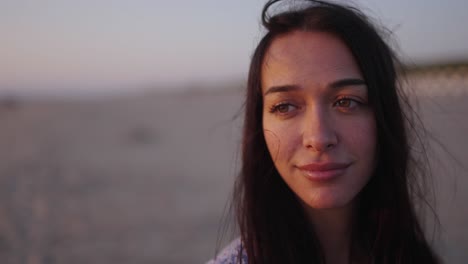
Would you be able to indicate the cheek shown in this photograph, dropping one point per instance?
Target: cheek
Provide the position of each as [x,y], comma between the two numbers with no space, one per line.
[279,139]
[361,140]
[273,143]
[367,136]
[362,134]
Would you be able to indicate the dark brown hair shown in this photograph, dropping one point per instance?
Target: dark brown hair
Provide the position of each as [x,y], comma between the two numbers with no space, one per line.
[272,224]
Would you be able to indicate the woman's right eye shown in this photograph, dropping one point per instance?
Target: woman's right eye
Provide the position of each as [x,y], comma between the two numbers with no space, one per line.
[283,108]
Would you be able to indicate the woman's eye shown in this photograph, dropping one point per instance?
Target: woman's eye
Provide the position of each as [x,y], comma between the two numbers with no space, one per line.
[283,108]
[346,103]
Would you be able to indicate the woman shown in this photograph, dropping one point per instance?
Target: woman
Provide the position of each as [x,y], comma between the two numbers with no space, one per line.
[327,173]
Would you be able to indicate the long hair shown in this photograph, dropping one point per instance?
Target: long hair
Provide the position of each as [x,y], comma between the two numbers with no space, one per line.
[272,223]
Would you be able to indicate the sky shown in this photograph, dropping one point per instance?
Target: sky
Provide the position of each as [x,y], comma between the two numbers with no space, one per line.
[105,46]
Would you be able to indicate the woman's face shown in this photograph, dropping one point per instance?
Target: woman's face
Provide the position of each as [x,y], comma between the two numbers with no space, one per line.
[318,126]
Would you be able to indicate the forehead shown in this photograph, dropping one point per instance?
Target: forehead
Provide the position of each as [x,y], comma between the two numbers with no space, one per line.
[308,58]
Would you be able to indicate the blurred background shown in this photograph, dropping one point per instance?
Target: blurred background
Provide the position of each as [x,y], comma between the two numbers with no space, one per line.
[120,122]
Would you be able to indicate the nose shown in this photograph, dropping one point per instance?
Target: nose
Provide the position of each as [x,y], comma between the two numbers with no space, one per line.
[318,130]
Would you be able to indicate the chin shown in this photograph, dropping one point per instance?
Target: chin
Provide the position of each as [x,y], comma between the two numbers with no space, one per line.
[325,201]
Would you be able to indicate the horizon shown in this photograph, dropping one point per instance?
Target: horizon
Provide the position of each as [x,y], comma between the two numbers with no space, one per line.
[421,79]
[108,47]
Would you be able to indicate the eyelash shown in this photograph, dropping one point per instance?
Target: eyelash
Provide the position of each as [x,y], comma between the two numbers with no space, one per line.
[275,108]
[347,99]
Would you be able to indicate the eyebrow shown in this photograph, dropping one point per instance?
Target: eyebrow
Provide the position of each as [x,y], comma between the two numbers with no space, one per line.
[347,82]
[335,85]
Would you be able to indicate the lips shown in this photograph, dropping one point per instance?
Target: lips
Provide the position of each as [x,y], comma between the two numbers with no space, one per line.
[323,171]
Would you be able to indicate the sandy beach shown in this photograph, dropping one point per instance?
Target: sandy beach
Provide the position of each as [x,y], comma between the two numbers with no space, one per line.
[145,178]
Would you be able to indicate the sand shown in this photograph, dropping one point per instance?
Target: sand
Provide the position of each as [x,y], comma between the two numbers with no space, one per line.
[145,178]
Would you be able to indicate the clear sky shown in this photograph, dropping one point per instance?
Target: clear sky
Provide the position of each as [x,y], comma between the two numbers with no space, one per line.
[108,45]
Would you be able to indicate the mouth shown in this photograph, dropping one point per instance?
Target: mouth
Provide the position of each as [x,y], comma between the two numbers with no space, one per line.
[323,171]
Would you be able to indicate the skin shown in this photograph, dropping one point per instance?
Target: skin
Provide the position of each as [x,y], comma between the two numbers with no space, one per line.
[316,111]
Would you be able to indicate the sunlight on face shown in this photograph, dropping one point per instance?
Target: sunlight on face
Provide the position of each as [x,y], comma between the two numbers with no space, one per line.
[318,126]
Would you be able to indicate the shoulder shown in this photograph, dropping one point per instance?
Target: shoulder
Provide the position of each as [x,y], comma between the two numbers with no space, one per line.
[230,254]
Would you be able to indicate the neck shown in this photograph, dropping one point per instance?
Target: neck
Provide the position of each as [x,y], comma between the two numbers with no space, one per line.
[333,228]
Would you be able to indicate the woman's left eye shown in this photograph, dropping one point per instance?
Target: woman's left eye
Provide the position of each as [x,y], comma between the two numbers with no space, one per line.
[346,103]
